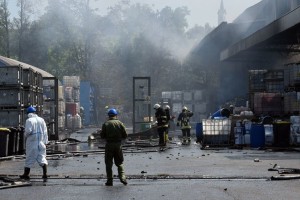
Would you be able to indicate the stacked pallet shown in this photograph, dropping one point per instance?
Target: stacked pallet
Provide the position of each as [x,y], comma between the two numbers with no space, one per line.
[19,89]
[72,100]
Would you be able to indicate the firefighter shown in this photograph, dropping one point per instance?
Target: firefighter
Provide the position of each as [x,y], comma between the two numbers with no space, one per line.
[184,122]
[167,110]
[162,125]
[113,131]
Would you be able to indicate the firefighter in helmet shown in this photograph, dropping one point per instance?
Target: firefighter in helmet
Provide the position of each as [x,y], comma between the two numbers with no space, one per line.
[162,124]
[183,121]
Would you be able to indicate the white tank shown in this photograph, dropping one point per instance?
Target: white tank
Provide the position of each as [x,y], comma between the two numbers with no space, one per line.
[69,121]
[77,121]
[295,120]
[68,94]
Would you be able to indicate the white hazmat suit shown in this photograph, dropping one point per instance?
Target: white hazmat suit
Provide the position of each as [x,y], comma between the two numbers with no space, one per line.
[36,137]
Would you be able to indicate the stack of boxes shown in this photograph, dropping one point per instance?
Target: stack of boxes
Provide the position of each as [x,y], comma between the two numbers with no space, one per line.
[11,97]
[72,100]
[265,92]
[194,100]
[19,89]
[239,133]
[49,109]
[292,89]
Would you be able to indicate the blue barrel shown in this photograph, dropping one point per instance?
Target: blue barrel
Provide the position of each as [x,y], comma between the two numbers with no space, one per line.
[257,135]
[199,130]
[224,112]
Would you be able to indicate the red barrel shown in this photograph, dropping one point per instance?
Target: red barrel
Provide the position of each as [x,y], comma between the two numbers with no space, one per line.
[71,108]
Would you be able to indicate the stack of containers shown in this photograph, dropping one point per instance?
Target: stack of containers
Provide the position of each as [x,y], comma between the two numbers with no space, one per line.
[72,99]
[247,125]
[19,88]
[194,100]
[50,105]
[61,108]
[292,89]
[33,89]
[11,96]
[295,129]
[265,91]
[239,133]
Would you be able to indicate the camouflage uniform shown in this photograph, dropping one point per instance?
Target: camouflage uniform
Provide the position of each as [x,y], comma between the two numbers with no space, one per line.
[113,130]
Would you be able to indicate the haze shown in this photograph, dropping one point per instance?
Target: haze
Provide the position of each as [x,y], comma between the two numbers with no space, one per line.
[201,11]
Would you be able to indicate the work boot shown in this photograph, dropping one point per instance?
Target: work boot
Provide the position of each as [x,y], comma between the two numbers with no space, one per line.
[109,183]
[124,181]
[121,174]
[45,176]
[26,174]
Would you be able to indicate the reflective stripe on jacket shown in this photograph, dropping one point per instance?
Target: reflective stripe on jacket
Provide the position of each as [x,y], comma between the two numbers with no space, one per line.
[184,119]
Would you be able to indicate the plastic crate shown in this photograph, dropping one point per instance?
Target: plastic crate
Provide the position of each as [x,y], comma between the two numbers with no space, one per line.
[29,97]
[12,117]
[39,81]
[28,77]
[11,97]
[11,75]
[39,98]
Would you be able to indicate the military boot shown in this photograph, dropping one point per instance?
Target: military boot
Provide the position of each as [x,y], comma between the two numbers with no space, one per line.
[109,182]
[45,176]
[26,174]
[121,173]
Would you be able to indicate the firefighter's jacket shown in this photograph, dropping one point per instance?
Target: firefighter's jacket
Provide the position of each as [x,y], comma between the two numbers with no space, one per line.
[161,118]
[184,119]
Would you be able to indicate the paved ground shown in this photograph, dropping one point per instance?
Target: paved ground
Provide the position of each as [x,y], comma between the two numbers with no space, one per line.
[181,172]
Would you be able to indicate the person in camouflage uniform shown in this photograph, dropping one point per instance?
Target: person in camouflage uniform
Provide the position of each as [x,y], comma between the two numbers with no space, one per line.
[113,131]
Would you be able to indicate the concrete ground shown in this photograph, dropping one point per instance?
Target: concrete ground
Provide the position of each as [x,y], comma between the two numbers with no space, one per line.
[77,171]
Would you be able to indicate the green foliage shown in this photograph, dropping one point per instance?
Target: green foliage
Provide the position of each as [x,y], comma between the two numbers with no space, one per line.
[4,33]
[130,40]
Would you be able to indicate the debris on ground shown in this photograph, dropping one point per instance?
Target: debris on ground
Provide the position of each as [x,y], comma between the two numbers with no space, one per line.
[6,183]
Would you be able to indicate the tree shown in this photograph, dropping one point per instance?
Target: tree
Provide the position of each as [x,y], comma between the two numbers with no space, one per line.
[71,38]
[4,29]
[22,26]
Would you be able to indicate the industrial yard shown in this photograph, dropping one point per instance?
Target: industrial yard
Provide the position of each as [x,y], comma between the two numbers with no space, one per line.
[243,91]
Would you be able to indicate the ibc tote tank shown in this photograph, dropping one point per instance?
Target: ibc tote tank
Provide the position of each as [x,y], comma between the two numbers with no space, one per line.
[77,121]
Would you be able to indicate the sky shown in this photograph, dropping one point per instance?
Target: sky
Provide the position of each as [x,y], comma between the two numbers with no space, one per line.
[201,11]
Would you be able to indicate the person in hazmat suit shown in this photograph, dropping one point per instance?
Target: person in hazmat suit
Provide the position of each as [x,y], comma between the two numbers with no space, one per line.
[36,138]
[113,131]
[183,121]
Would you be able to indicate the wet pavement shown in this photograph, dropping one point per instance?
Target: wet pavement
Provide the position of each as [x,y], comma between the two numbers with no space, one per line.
[77,171]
